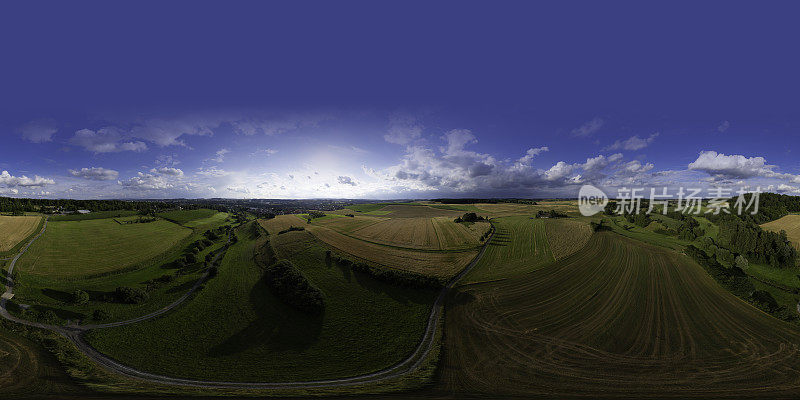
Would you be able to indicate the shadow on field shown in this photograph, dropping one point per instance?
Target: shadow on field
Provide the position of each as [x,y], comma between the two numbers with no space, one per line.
[58,295]
[402,295]
[278,326]
[182,288]
[500,238]
[61,313]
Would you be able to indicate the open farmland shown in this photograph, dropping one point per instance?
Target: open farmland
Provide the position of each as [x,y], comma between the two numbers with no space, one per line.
[621,318]
[281,222]
[566,236]
[416,211]
[438,233]
[519,245]
[28,370]
[434,263]
[184,216]
[14,230]
[236,329]
[790,224]
[80,248]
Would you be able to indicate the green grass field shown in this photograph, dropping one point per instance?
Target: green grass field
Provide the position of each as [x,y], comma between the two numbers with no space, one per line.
[43,293]
[235,329]
[215,219]
[94,215]
[519,246]
[92,247]
[183,217]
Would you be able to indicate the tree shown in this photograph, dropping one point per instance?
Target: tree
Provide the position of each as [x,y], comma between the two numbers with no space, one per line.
[80,297]
[741,262]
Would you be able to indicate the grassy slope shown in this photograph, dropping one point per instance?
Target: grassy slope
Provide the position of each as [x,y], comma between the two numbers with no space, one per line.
[519,246]
[44,293]
[619,317]
[236,329]
[94,215]
[76,248]
[183,216]
[27,370]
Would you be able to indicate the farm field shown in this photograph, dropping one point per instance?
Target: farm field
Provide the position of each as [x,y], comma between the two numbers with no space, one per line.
[95,215]
[618,317]
[184,216]
[520,245]
[438,233]
[27,369]
[236,329]
[790,224]
[439,264]
[566,236]
[14,230]
[217,218]
[91,247]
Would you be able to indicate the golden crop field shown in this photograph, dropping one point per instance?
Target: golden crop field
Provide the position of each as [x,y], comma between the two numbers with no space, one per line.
[347,224]
[415,211]
[416,233]
[453,235]
[442,264]
[281,222]
[566,236]
[15,229]
[790,224]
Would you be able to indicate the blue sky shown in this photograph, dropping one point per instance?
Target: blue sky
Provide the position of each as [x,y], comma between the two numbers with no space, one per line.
[395,99]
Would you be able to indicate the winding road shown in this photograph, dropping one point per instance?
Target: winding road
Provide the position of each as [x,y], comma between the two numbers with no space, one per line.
[75,334]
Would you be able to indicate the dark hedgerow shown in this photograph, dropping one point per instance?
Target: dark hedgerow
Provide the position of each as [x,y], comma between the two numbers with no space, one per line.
[289,285]
[393,276]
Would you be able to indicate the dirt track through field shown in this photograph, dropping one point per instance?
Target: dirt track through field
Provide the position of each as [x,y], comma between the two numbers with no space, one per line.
[404,368]
[619,319]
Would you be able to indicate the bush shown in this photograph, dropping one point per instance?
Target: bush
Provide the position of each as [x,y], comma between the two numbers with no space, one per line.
[129,295]
[100,315]
[289,285]
[80,297]
[397,277]
[292,228]
[213,271]
[190,258]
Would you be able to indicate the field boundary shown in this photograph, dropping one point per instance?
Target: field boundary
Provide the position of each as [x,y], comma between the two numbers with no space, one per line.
[409,365]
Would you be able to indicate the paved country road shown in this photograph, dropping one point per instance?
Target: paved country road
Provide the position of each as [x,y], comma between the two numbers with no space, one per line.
[75,333]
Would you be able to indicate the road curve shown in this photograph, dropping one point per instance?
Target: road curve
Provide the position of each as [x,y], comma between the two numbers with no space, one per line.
[75,334]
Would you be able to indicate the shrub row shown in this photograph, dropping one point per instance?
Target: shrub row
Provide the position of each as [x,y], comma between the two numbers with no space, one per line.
[393,276]
[289,285]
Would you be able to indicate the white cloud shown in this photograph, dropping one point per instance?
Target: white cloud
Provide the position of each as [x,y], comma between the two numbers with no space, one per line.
[633,143]
[723,126]
[559,171]
[144,181]
[403,129]
[105,140]
[268,152]
[11,181]
[167,171]
[531,153]
[636,167]
[346,180]
[95,174]
[784,188]
[220,155]
[732,166]
[588,127]
[39,131]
